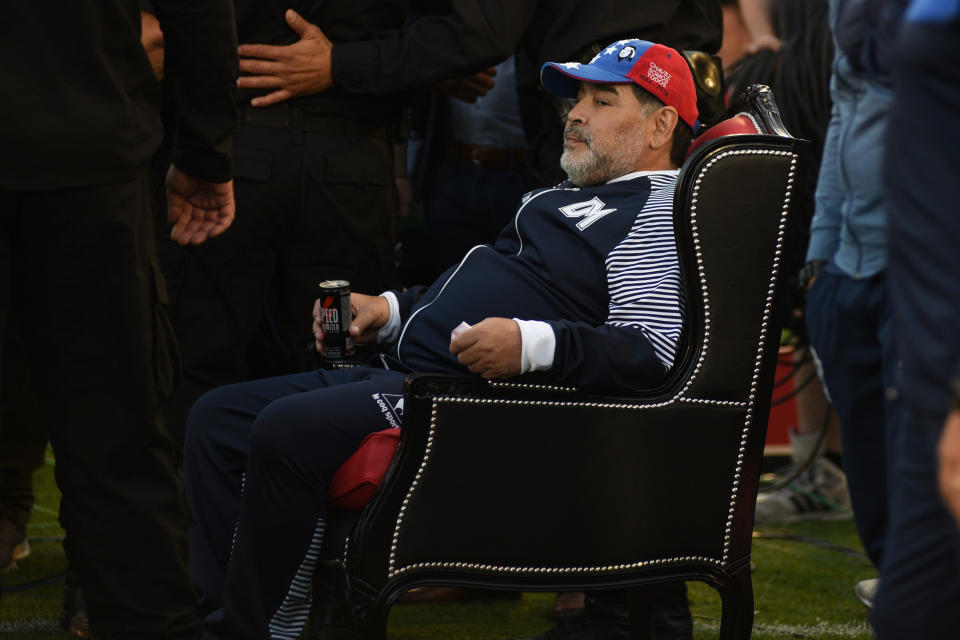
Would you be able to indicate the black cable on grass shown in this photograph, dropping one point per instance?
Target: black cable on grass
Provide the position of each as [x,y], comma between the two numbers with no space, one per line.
[39,582]
[812,540]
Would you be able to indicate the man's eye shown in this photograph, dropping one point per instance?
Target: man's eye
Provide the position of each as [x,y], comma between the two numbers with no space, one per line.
[601,101]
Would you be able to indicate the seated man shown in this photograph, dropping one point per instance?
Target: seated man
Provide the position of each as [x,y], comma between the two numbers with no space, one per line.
[583,286]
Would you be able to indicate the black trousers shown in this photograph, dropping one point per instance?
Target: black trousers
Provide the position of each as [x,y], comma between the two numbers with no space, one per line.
[315,201]
[77,267]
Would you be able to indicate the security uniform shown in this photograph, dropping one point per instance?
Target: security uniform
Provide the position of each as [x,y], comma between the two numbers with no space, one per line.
[78,124]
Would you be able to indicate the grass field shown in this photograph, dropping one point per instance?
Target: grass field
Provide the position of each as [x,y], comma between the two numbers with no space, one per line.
[803,587]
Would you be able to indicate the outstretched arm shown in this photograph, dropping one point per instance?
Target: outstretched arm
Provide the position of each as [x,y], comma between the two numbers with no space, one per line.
[473,36]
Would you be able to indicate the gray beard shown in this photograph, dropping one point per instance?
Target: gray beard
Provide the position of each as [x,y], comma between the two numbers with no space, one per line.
[586,169]
[593,166]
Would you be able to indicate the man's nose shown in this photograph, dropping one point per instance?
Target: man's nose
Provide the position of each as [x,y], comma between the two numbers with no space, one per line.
[576,113]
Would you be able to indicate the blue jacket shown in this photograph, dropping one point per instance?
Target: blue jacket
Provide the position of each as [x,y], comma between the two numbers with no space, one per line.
[599,264]
[849,226]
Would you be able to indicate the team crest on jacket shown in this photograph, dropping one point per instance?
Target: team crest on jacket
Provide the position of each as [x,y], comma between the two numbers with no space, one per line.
[590,211]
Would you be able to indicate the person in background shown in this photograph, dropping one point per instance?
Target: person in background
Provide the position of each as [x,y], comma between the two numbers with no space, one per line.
[314,179]
[848,313]
[920,570]
[474,172]
[78,271]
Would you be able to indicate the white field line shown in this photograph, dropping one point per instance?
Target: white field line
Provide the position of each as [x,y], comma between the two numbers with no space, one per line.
[23,626]
[821,629]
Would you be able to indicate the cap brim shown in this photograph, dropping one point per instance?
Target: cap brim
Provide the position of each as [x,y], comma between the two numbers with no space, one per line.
[564,81]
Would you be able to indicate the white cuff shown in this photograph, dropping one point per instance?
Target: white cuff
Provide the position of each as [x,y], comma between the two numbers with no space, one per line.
[391,330]
[538,343]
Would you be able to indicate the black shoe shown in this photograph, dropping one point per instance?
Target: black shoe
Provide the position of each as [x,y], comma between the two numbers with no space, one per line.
[73,616]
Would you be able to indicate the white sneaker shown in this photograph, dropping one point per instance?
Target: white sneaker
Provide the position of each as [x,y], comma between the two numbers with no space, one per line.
[866,590]
[819,493]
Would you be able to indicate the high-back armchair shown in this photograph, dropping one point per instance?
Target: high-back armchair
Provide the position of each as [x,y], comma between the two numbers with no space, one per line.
[540,487]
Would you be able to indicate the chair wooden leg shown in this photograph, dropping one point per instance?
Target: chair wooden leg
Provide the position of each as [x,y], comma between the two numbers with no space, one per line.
[736,596]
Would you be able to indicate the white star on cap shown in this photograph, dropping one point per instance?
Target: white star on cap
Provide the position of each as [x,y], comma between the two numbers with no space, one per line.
[610,49]
[571,65]
[621,42]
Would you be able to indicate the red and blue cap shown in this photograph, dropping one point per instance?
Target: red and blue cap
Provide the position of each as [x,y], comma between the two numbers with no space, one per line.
[657,69]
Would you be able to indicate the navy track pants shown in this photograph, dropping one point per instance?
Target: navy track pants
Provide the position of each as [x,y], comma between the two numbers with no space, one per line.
[258,460]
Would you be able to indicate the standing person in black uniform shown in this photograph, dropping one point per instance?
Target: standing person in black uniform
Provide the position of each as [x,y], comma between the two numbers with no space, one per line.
[80,121]
[476,35]
[315,188]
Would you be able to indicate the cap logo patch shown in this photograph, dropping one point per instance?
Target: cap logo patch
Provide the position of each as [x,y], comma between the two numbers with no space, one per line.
[626,53]
[658,75]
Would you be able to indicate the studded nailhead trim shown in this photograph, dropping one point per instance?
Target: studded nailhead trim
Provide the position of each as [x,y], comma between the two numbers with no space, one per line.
[555,570]
[749,405]
[537,387]
[764,325]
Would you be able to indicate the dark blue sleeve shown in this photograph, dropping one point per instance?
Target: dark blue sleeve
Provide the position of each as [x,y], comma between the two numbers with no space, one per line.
[608,356]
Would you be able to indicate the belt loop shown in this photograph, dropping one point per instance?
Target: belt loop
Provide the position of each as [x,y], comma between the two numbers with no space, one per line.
[296,124]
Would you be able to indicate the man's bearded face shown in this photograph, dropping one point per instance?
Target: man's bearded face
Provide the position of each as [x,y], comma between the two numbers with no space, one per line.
[604,136]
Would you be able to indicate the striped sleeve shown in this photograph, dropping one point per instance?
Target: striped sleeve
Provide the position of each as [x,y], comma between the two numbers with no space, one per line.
[643,275]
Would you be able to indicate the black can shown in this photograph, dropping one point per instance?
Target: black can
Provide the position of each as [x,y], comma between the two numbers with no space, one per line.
[335,318]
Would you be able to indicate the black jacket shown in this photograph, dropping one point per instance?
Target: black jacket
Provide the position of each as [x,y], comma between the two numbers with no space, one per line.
[343,21]
[79,104]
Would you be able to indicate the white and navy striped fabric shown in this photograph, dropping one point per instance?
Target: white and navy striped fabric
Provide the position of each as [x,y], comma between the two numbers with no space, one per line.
[288,621]
[643,273]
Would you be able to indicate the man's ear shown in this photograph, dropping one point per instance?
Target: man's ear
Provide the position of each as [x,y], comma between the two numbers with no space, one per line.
[662,124]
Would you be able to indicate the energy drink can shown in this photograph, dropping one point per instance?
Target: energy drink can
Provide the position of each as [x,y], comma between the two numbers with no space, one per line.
[335,318]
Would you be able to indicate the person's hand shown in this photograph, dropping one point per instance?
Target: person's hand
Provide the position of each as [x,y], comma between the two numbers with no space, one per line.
[764,41]
[468,88]
[297,69]
[491,348]
[948,452]
[198,209]
[369,314]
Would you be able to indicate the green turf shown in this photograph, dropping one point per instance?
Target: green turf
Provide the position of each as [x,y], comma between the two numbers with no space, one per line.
[802,588]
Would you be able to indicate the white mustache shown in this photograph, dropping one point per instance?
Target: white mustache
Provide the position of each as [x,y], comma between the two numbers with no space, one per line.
[572,129]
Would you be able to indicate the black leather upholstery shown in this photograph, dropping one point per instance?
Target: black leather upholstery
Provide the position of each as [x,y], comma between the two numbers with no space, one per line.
[543,488]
